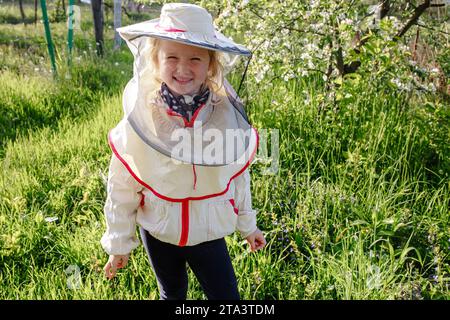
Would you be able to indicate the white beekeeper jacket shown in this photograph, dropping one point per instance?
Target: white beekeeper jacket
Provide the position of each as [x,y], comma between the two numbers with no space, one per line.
[179,203]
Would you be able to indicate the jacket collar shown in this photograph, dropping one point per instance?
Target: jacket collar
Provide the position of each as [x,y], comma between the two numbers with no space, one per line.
[200,116]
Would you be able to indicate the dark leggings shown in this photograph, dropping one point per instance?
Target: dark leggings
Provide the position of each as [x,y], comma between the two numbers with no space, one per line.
[210,262]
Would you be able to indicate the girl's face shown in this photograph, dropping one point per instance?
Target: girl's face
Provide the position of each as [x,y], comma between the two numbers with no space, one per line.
[182,67]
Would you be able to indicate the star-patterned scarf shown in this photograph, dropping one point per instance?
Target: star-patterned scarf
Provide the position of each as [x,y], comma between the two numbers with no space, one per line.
[180,105]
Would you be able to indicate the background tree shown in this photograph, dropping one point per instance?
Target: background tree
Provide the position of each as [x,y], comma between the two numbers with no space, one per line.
[333,38]
[97,12]
[22,13]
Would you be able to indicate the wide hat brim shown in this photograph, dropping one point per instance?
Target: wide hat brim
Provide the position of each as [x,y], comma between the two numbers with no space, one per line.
[151,28]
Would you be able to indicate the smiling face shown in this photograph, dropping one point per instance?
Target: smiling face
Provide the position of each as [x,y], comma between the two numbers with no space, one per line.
[182,67]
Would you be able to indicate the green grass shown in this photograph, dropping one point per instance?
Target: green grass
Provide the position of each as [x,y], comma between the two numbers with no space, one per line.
[359,208]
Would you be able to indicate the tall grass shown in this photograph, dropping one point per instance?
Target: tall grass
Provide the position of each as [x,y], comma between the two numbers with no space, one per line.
[359,208]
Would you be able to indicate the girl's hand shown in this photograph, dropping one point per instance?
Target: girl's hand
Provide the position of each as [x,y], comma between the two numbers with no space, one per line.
[115,262]
[256,240]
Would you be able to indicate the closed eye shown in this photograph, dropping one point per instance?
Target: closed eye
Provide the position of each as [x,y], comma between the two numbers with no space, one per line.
[195,59]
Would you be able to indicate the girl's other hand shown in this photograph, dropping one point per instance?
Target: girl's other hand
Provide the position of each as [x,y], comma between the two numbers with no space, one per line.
[115,262]
[256,240]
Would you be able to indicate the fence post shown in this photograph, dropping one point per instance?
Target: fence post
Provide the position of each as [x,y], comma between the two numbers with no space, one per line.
[48,36]
[70,32]
[117,22]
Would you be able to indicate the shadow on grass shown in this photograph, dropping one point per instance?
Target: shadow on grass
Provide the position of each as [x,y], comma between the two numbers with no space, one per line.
[13,19]
[75,99]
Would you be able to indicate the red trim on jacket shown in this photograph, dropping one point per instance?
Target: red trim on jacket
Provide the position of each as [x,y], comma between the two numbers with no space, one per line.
[195,175]
[188,124]
[188,198]
[184,223]
[191,123]
[176,114]
[236,210]
[142,200]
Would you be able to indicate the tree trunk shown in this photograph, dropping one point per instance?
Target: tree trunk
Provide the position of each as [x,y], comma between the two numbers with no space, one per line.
[97,12]
[22,13]
[385,7]
[416,40]
[35,11]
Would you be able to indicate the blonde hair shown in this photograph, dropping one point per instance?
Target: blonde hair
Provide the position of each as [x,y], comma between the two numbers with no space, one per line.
[214,80]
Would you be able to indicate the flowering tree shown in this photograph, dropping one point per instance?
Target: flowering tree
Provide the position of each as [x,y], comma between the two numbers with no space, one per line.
[330,37]
[333,38]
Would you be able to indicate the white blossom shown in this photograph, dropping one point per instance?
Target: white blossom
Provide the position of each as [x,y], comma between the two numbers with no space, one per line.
[434,70]
[347,21]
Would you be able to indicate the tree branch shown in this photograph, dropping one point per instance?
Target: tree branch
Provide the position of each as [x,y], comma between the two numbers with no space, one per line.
[303,31]
[435,5]
[123,8]
[385,7]
[256,14]
[418,11]
[416,15]
[432,29]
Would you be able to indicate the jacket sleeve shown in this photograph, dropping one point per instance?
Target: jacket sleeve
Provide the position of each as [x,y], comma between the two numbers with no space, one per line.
[122,201]
[246,223]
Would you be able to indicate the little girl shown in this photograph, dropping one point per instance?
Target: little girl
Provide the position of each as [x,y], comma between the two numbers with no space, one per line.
[185,194]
